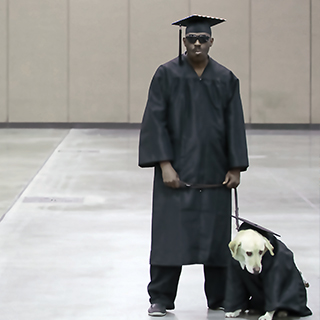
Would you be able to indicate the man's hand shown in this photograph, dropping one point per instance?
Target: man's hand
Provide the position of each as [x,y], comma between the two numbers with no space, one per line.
[169,175]
[232,179]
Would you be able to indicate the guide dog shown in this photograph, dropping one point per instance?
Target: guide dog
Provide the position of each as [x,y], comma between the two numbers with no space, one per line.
[263,276]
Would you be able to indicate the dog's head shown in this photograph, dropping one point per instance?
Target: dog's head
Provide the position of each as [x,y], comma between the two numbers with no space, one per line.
[248,247]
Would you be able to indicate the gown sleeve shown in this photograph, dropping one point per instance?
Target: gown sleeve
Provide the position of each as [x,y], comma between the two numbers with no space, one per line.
[154,142]
[237,144]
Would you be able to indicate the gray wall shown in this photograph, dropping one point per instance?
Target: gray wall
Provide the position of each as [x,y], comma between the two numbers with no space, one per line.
[92,60]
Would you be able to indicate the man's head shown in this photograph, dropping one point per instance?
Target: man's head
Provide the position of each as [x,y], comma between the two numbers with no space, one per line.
[198,38]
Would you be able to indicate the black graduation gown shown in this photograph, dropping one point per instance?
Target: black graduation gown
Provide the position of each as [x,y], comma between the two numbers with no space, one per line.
[279,286]
[197,124]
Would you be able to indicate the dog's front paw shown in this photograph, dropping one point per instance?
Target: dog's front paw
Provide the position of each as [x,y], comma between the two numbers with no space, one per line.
[267,316]
[233,314]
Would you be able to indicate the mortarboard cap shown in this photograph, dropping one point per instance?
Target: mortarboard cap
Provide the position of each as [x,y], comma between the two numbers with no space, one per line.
[247,224]
[196,23]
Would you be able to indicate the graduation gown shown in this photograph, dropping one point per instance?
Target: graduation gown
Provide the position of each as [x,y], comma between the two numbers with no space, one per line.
[197,124]
[279,286]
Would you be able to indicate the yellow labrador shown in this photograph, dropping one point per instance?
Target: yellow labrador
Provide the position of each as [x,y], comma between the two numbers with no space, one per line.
[248,247]
[262,275]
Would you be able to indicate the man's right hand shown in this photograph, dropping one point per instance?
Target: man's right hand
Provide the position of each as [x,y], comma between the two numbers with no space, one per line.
[169,175]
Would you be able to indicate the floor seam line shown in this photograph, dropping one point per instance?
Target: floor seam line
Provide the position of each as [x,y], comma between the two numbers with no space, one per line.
[34,176]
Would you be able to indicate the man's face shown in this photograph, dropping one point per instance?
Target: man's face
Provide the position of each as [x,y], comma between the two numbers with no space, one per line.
[198,46]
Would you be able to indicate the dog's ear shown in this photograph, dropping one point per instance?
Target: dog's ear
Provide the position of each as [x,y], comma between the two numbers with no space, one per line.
[268,246]
[234,246]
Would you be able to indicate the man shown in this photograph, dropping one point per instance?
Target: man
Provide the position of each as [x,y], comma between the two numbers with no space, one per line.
[192,131]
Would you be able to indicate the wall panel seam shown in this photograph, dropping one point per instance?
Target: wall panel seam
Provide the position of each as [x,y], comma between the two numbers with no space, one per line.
[250,62]
[7,63]
[68,60]
[310,62]
[128,63]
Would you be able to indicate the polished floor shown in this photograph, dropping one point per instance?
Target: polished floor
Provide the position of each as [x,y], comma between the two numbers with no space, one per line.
[75,221]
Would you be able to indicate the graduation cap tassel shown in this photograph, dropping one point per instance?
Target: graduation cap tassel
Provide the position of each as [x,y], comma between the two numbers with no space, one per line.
[180,44]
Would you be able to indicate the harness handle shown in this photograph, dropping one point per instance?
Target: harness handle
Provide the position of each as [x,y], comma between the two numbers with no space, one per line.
[236,215]
[236,209]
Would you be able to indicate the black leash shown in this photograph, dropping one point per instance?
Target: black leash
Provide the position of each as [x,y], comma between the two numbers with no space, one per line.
[199,185]
[236,215]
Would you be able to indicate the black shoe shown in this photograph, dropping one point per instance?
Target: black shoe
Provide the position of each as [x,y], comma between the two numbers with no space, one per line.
[157,310]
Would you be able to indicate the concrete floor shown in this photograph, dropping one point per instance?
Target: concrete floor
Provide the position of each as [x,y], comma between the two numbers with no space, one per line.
[75,221]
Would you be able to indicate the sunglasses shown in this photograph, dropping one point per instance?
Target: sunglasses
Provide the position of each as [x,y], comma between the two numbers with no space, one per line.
[192,38]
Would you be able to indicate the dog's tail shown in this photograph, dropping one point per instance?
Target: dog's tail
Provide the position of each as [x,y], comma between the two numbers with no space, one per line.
[306,283]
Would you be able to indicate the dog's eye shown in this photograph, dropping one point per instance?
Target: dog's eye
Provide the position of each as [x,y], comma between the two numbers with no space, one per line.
[260,252]
[249,254]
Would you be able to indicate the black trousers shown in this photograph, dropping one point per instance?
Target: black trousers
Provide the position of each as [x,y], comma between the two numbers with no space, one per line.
[164,285]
